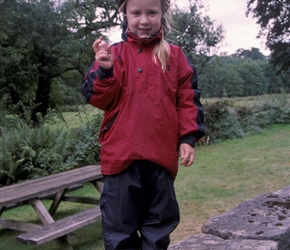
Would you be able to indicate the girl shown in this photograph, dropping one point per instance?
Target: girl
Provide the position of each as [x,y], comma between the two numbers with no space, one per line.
[148,90]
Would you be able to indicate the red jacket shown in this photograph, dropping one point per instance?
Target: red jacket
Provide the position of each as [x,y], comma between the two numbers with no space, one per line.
[148,112]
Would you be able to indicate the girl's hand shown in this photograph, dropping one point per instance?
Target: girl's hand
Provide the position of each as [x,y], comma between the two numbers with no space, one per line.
[103,54]
[186,153]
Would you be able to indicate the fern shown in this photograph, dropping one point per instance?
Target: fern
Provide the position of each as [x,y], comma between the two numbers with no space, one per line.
[32,152]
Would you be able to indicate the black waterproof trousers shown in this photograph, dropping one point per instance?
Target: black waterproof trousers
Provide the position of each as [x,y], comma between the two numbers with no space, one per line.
[139,208]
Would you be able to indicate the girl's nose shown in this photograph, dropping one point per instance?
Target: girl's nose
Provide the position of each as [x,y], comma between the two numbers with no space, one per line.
[144,19]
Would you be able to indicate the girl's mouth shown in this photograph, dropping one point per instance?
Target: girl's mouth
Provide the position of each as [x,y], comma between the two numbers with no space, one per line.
[144,30]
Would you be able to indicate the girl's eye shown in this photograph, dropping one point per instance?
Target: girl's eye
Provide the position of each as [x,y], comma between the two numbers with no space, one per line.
[152,13]
[136,13]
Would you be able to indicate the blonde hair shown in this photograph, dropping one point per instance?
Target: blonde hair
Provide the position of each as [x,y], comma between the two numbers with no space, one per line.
[161,50]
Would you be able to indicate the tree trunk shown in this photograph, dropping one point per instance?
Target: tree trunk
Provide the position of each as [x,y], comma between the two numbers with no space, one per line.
[42,99]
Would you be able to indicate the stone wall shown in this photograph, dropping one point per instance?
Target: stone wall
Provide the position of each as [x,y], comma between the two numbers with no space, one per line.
[261,223]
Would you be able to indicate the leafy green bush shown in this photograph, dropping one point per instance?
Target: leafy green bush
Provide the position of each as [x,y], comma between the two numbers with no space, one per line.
[28,152]
[84,146]
[221,122]
[274,110]
[247,119]
[225,121]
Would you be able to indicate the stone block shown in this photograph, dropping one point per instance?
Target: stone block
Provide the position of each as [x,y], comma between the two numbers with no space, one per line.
[265,217]
[211,242]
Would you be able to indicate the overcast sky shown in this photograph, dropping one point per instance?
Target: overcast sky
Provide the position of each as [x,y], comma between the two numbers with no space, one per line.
[240,31]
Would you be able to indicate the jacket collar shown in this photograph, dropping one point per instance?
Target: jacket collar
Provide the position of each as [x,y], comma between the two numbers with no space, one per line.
[145,42]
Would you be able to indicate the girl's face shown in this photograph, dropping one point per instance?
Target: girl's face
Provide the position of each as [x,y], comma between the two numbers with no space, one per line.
[144,17]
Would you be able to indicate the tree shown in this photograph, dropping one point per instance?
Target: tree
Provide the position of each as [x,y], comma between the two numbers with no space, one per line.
[254,81]
[231,76]
[276,83]
[221,78]
[254,54]
[42,40]
[196,33]
[274,19]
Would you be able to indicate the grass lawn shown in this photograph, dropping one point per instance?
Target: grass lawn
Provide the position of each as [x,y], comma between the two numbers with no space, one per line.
[250,100]
[227,173]
[224,174]
[80,118]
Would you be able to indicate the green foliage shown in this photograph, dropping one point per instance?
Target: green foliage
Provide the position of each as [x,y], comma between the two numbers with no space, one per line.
[253,79]
[46,49]
[196,33]
[44,41]
[223,120]
[274,110]
[273,18]
[246,117]
[65,91]
[221,123]
[84,147]
[28,152]
[232,76]
[254,54]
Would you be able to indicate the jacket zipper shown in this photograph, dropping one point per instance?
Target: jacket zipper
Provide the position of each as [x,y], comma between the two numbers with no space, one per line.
[109,125]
